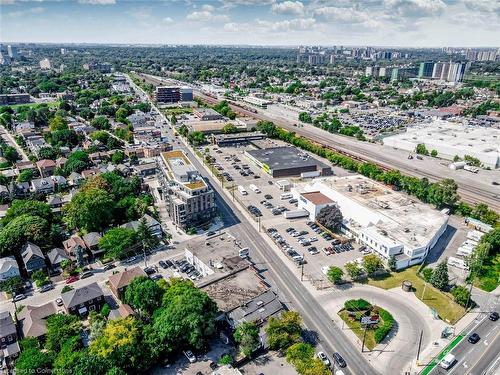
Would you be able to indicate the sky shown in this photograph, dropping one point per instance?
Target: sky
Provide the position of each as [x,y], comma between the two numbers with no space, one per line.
[412,23]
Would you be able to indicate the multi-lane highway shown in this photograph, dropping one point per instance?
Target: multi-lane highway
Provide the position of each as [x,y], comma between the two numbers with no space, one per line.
[471,188]
[482,358]
[277,274]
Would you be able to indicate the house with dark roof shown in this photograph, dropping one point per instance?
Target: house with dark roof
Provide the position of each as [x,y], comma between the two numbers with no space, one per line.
[8,268]
[76,249]
[153,225]
[9,347]
[75,179]
[259,309]
[56,256]
[91,240]
[33,258]
[43,185]
[33,319]
[119,281]
[82,300]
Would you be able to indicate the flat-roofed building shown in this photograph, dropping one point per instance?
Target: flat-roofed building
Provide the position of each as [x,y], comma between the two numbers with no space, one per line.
[388,222]
[190,200]
[168,94]
[287,161]
[207,114]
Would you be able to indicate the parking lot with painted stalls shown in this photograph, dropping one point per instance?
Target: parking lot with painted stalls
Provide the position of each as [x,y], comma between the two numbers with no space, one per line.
[267,203]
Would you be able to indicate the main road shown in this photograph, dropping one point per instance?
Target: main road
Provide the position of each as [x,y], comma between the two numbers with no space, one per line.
[277,273]
[471,188]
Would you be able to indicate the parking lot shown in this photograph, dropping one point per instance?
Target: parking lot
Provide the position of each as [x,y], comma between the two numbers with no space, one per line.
[303,243]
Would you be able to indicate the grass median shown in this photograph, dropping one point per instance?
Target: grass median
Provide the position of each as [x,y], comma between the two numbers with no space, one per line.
[444,305]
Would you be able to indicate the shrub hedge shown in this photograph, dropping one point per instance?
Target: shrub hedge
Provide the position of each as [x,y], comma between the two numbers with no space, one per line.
[357,305]
[384,328]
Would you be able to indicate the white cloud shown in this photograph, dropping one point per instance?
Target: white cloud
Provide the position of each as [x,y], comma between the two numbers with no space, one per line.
[288,25]
[97,2]
[342,15]
[206,14]
[7,2]
[288,7]
[20,13]
[168,20]
[235,27]
[207,8]
[487,6]
[416,8]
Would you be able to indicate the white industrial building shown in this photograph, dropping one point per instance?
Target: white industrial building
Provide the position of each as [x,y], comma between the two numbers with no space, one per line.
[388,222]
[450,139]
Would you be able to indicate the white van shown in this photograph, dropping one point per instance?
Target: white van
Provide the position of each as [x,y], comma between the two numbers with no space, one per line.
[447,361]
[242,190]
[254,188]
[286,196]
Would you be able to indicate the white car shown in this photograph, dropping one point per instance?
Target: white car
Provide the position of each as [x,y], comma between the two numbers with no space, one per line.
[324,358]
[190,356]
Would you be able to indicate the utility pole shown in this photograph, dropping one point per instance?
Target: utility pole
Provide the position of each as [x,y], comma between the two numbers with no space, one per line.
[363,343]
[302,270]
[419,345]
[423,291]
[468,297]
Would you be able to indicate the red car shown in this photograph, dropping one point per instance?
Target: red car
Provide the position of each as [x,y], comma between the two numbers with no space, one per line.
[72,279]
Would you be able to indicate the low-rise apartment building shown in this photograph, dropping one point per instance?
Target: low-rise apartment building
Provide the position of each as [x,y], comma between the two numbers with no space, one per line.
[190,201]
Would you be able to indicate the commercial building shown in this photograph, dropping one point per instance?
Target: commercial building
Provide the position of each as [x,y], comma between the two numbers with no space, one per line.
[388,222]
[173,94]
[286,161]
[190,201]
[45,64]
[207,114]
[425,69]
[399,74]
[104,68]
[12,99]
[450,71]
[222,140]
[450,139]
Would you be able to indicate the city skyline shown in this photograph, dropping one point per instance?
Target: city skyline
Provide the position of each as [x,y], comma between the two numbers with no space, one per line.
[415,23]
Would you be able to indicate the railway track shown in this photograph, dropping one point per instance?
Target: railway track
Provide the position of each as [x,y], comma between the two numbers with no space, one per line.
[469,194]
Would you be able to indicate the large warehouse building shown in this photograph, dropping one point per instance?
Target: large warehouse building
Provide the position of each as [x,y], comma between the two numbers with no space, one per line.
[287,161]
[388,222]
[450,139]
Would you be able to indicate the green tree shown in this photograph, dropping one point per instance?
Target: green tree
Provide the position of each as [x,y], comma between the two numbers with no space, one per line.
[144,294]
[439,277]
[145,236]
[284,331]
[434,153]
[247,336]
[11,154]
[372,263]
[89,210]
[443,193]
[20,230]
[61,327]
[27,207]
[353,270]
[117,242]
[229,128]
[427,274]
[25,176]
[58,123]
[100,122]
[197,138]
[69,354]
[421,149]
[461,295]
[187,318]
[77,162]
[118,157]
[477,259]
[335,274]
[32,360]
[391,263]
[330,217]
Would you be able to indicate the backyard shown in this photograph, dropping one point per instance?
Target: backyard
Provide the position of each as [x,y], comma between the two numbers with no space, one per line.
[444,305]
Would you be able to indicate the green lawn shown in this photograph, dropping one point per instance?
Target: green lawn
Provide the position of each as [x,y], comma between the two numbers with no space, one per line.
[490,278]
[355,326]
[447,310]
[49,104]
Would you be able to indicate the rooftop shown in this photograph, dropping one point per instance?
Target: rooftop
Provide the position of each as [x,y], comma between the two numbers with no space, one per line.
[179,168]
[284,158]
[317,198]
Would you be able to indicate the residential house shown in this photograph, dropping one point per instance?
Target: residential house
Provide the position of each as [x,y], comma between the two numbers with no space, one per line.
[144,170]
[21,189]
[119,281]
[153,225]
[75,247]
[8,268]
[56,256]
[43,185]
[258,309]
[92,242]
[60,181]
[55,202]
[61,162]
[89,173]
[81,301]
[8,338]
[46,167]
[75,179]
[33,319]
[33,258]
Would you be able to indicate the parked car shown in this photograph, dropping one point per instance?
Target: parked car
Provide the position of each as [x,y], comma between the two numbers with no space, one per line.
[268,196]
[322,356]
[474,338]
[59,302]
[340,361]
[210,233]
[190,356]
[163,264]
[494,316]
[46,288]
[109,266]
[86,274]
[156,277]
[149,270]
[19,297]
[72,279]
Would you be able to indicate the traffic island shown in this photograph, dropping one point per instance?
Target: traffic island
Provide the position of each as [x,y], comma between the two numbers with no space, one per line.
[369,322]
